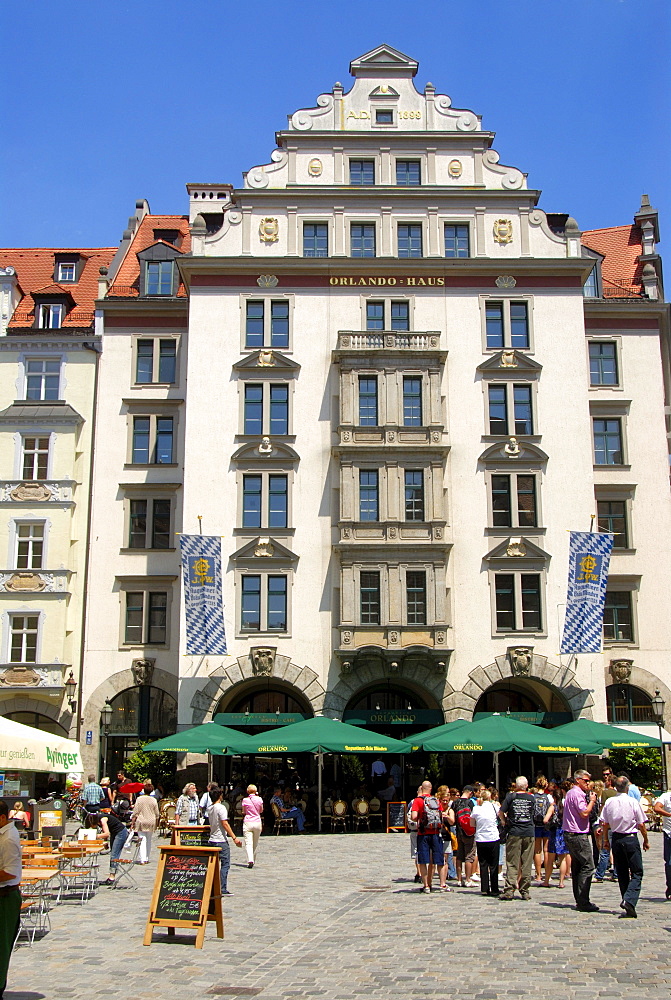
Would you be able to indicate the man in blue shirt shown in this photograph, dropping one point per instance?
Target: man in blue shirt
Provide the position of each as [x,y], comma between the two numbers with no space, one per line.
[92,795]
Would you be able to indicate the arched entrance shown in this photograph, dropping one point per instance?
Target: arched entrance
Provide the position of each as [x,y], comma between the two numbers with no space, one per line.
[139,714]
[37,721]
[525,699]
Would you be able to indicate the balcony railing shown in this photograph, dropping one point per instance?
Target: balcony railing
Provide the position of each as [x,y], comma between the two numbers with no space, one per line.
[388,340]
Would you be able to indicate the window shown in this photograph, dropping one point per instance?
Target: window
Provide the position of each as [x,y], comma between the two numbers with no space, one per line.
[155,361]
[457,241]
[315,239]
[367,401]
[149,524]
[43,378]
[66,272]
[603,363]
[412,401]
[29,545]
[414,495]
[369,499]
[387,315]
[590,289]
[35,457]
[159,277]
[152,440]
[370,598]
[514,501]
[267,323]
[409,239]
[607,441]
[51,316]
[266,408]
[276,500]
[628,704]
[384,116]
[258,607]
[518,601]
[507,325]
[415,590]
[23,638]
[146,618]
[612,517]
[408,173]
[618,617]
[499,409]
[362,239]
[362,172]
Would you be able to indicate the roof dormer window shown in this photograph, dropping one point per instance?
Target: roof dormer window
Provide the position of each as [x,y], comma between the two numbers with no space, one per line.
[66,272]
[50,316]
[167,235]
[159,277]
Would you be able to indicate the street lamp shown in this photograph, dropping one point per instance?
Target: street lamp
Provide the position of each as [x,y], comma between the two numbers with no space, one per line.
[105,718]
[658,705]
[70,691]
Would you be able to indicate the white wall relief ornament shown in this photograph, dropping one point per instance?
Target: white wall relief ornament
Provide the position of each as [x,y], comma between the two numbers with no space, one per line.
[304,119]
[511,177]
[463,121]
[258,177]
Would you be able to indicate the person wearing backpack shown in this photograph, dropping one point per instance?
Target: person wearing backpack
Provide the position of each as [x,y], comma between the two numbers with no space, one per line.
[518,809]
[466,850]
[427,814]
[542,802]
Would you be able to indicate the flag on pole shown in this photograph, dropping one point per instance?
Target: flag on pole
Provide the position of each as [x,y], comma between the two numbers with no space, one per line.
[589,556]
[203,599]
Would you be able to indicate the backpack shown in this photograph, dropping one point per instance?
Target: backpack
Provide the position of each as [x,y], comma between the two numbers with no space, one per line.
[463,814]
[541,806]
[412,825]
[431,816]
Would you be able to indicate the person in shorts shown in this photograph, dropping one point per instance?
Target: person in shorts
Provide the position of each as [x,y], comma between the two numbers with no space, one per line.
[427,814]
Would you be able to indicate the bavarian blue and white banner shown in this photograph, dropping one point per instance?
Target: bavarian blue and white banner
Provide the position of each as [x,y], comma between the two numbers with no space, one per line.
[203,600]
[589,556]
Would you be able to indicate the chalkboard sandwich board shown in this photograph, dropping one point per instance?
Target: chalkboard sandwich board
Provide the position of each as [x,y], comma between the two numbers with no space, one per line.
[396,816]
[190,836]
[186,891]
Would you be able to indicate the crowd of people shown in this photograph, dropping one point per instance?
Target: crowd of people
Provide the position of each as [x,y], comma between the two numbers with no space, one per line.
[580,828]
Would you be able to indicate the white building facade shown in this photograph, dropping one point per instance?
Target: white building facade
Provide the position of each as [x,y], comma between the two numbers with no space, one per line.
[399,403]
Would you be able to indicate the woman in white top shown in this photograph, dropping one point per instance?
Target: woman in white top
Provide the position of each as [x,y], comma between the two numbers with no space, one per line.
[487,840]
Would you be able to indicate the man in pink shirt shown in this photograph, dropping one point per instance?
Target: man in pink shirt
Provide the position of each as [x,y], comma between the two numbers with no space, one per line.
[623,816]
[578,806]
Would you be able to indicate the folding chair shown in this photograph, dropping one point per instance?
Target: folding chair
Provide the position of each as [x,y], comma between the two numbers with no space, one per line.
[78,876]
[34,916]
[126,865]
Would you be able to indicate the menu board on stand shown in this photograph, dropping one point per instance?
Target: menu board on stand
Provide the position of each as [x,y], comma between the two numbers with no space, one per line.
[396,816]
[190,836]
[187,892]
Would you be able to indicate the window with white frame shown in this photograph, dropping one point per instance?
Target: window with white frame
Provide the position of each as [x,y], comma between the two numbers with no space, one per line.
[152,440]
[23,638]
[145,617]
[50,315]
[66,271]
[518,602]
[35,457]
[159,277]
[29,544]
[42,378]
[510,409]
[266,408]
[267,323]
[155,360]
[264,602]
[513,500]
[507,325]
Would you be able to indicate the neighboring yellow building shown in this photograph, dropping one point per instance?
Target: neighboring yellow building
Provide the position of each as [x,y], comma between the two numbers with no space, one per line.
[49,353]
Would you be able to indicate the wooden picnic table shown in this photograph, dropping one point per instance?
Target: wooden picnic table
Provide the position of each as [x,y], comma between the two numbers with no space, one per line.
[38,874]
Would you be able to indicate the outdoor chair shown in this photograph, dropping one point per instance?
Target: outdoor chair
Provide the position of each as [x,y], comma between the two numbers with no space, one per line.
[34,915]
[375,810]
[167,816]
[282,822]
[339,817]
[79,874]
[361,815]
[124,872]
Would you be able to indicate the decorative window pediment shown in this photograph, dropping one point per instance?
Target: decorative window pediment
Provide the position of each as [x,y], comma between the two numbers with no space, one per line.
[270,360]
[159,251]
[268,451]
[517,549]
[383,57]
[264,552]
[514,450]
[510,364]
[384,91]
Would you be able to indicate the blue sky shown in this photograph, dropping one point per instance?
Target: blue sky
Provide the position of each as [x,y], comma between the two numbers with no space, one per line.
[104,103]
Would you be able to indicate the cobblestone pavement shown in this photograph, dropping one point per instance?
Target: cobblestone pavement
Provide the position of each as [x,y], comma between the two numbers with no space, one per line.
[338,917]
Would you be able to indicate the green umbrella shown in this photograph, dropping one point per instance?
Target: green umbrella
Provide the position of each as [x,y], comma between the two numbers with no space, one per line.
[436,733]
[318,735]
[497,733]
[208,738]
[606,737]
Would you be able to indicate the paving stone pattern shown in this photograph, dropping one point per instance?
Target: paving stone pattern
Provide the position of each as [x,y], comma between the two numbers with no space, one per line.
[338,917]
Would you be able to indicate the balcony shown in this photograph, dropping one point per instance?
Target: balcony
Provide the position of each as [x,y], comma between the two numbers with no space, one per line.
[389,341]
[398,533]
[393,637]
[432,437]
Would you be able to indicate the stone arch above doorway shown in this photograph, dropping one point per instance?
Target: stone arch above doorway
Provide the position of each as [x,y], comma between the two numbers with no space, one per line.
[22,703]
[528,665]
[260,662]
[423,677]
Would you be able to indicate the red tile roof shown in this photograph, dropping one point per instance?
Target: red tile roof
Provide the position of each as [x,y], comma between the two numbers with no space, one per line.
[127,280]
[621,247]
[35,272]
